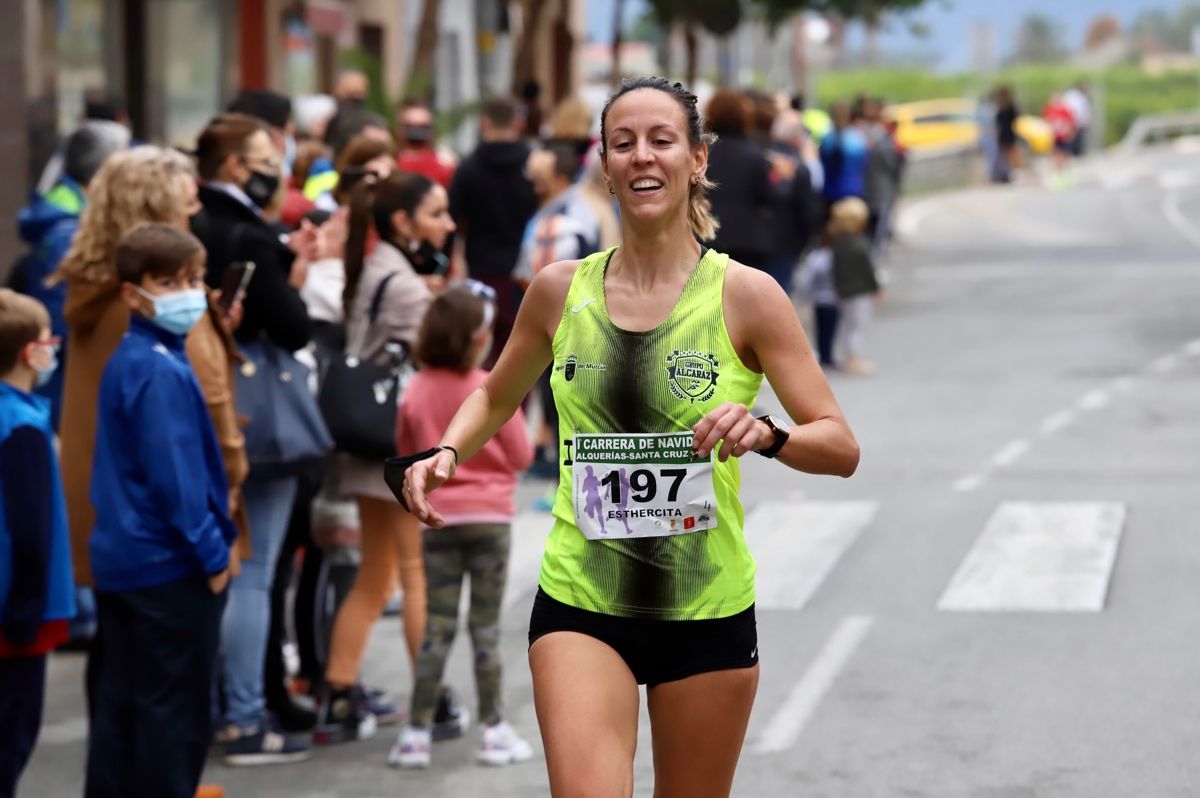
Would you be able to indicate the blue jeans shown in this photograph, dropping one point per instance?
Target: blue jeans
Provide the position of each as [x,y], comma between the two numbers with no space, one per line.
[247,621]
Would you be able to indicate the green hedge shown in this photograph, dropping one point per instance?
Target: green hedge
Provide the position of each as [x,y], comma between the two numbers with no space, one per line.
[1127,91]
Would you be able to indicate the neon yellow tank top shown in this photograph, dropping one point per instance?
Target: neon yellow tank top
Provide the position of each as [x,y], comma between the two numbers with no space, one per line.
[619,385]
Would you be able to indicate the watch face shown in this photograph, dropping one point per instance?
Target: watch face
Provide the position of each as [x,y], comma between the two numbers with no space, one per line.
[776,424]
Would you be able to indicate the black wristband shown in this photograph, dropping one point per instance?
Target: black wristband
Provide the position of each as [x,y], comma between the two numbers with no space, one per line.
[452,451]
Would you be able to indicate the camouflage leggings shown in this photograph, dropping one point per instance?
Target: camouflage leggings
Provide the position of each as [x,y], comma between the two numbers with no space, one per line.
[480,550]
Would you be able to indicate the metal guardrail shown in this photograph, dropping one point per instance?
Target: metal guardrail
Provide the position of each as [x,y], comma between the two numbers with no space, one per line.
[1156,128]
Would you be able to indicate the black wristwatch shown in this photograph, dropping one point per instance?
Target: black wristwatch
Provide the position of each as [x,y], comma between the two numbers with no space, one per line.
[780,430]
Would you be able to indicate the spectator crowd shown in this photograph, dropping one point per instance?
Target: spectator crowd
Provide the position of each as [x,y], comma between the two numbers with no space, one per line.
[205,358]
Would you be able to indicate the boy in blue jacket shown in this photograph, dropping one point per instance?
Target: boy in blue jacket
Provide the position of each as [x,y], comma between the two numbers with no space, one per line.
[36,588]
[160,547]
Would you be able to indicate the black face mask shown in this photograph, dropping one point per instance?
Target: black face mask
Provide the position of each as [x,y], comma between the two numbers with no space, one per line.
[261,188]
[418,134]
[428,260]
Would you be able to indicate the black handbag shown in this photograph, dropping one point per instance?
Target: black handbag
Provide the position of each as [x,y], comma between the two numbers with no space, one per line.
[359,397]
[286,434]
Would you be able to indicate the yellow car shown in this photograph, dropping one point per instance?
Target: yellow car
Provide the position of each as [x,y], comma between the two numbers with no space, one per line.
[931,125]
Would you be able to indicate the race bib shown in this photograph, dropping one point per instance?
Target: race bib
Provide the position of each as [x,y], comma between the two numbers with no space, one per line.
[640,486]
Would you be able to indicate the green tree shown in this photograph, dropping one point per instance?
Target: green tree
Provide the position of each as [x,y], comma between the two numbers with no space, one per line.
[1039,40]
[1186,19]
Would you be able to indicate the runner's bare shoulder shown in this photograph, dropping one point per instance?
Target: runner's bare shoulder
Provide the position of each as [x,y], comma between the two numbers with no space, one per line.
[551,284]
[755,306]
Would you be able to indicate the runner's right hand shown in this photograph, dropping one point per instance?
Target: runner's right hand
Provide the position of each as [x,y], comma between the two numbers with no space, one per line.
[423,477]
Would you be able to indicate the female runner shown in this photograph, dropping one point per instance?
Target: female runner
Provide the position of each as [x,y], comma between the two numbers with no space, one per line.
[659,347]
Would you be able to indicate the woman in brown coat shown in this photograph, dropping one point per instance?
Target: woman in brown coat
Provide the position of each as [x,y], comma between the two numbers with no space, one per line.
[144,184]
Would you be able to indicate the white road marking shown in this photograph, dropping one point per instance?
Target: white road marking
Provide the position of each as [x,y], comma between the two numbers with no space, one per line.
[1164,364]
[529,531]
[1192,348]
[1094,400]
[1178,219]
[797,709]
[911,217]
[1119,180]
[1039,557]
[797,546]
[1011,453]
[1056,421]
[968,483]
[64,732]
[1176,179]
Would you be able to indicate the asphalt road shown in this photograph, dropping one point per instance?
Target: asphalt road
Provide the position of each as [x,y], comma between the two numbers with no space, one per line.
[1002,603]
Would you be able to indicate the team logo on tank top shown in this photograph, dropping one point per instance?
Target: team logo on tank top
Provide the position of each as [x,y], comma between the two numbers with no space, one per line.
[691,375]
[571,366]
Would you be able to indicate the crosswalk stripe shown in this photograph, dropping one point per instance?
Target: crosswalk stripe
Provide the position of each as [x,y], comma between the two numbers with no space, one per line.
[797,545]
[1039,557]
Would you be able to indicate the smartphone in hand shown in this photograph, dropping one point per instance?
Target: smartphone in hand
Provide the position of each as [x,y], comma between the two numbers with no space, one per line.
[234,283]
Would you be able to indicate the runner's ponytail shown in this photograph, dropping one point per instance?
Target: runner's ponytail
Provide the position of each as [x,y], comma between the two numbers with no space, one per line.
[700,217]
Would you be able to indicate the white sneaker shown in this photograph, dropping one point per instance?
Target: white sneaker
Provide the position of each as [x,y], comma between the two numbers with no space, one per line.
[412,748]
[501,745]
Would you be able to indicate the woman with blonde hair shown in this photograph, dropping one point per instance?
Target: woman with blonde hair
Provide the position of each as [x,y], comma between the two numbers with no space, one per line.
[134,187]
[144,184]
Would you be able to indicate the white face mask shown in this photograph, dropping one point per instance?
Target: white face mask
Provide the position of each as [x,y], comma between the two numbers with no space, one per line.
[44,375]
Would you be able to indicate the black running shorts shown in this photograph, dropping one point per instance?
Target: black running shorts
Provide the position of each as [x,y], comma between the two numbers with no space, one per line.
[656,651]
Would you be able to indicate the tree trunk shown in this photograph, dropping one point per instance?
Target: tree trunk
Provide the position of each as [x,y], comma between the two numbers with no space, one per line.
[531,21]
[800,73]
[618,38]
[724,62]
[690,47]
[421,77]
[664,51]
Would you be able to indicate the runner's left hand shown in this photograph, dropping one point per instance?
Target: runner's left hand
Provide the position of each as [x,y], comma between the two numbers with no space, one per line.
[731,423]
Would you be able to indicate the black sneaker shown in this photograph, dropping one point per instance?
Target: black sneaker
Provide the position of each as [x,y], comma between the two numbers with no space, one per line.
[450,719]
[342,718]
[293,717]
[263,746]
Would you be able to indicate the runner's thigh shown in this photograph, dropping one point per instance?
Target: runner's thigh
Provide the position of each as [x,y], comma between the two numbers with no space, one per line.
[587,708]
[698,726]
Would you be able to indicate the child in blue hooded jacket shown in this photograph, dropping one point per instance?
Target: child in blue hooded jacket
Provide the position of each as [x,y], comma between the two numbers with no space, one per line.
[36,595]
[160,546]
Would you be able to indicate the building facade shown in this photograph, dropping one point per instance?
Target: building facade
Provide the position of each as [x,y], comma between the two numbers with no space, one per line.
[177,62]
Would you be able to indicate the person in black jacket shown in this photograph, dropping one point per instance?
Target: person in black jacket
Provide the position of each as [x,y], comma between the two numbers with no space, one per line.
[241,171]
[742,201]
[794,210]
[492,200]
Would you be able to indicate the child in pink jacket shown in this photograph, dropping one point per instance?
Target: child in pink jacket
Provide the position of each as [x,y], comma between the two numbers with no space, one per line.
[478,506]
